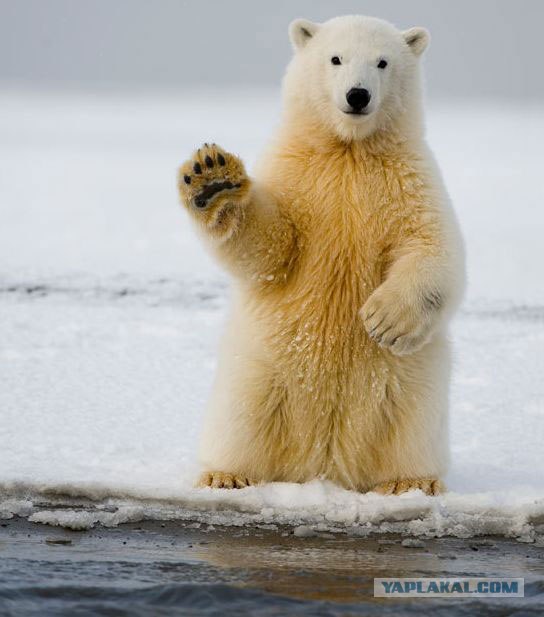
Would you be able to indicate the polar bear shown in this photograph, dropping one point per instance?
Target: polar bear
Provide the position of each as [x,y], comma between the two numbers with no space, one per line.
[347,265]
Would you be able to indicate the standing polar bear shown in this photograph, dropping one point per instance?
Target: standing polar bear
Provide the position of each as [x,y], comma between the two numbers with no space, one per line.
[347,264]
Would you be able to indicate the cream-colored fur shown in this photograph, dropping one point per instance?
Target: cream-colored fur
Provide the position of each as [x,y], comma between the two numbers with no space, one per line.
[347,265]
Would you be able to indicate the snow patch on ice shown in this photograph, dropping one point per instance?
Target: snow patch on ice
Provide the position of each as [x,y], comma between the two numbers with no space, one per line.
[318,506]
[80,520]
[15,507]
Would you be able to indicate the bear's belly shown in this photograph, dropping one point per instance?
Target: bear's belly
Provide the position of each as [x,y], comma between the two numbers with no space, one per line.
[314,322]
[314,334]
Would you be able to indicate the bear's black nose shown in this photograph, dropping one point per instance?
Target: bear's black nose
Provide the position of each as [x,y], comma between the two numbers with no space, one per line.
[358,98]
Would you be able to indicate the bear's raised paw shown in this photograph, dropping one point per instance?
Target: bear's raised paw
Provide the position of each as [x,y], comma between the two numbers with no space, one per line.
[211,174]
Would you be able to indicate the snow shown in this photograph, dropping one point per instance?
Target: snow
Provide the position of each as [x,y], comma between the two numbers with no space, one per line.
[110,313]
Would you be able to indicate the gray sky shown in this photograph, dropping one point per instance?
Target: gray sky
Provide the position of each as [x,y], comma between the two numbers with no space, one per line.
[479,47]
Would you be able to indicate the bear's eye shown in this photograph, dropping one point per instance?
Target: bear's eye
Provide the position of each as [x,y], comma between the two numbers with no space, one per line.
[335,60]
[382,64]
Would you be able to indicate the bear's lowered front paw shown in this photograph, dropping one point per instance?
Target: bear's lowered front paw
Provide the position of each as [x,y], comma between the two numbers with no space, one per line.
[395,323]
[212,184]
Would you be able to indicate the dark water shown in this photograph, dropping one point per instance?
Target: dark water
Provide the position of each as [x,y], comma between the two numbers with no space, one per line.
[173,569]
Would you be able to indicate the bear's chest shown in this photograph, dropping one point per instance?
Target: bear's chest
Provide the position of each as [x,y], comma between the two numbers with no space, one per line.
[348,218]
[350,201]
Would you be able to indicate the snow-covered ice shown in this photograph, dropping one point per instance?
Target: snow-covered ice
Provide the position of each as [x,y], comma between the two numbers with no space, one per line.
[110,313]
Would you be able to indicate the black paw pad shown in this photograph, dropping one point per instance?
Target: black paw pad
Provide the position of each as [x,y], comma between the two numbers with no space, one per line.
[208,161]
[202,199]
[197,168]
[187,179]
[221,159]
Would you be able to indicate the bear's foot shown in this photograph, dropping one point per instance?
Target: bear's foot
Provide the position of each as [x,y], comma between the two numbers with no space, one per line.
[430,486]
[219,479]
[210,175]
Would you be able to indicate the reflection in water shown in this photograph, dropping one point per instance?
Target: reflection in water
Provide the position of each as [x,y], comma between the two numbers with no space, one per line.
[174,568]
[342,569]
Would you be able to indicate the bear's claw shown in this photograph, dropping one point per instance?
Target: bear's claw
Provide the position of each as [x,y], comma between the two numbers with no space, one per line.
[430,486]
[396,324]
[219,479]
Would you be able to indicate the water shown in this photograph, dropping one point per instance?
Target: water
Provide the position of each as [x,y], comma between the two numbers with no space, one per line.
[176,568]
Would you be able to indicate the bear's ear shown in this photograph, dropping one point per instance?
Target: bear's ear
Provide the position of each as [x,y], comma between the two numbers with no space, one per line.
[301,31]
[417,39]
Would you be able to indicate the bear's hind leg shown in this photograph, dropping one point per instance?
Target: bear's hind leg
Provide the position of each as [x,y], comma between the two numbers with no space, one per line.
[416,406]
[244,431]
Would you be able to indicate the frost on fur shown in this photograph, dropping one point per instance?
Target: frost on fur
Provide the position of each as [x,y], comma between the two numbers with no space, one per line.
[347,266]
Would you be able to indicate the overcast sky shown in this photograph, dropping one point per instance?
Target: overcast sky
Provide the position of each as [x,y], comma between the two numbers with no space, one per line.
[479,47]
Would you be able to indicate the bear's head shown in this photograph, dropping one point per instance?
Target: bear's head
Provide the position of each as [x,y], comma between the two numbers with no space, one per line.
[354,74]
